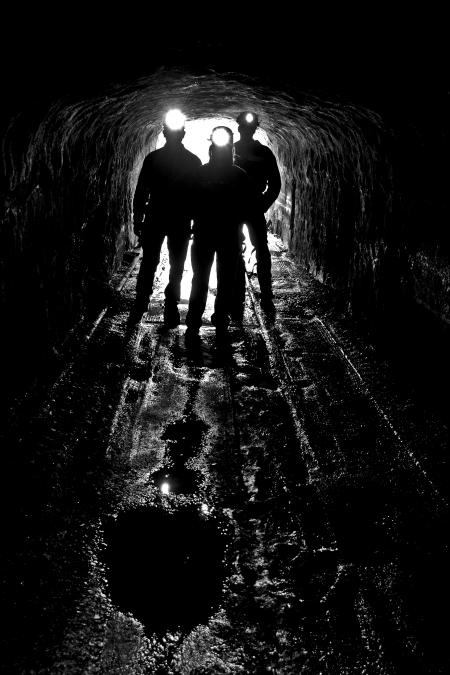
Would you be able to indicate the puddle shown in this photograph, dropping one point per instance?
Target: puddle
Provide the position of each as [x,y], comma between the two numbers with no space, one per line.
[177,480]
[166,569]
[183,439]
[184,436]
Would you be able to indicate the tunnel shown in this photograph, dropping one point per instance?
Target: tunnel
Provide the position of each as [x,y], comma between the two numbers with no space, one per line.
[361,141]
[351,209]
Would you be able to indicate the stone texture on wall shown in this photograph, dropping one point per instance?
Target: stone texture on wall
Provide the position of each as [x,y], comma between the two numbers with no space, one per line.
[431,283]
[69,173]
[368,227]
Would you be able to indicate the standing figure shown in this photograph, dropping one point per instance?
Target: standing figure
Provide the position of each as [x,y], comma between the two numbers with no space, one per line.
[224,200]
[261,166]
[162,207]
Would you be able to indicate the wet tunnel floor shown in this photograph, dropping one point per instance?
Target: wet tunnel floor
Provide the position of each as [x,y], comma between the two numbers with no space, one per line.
[277,505]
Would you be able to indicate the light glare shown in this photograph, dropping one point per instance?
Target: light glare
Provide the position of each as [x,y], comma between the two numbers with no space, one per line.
[249,117]
[220,137]
[198,135]
[165,488]
[175,120]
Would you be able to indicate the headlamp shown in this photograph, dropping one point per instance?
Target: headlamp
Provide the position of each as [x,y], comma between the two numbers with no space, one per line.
[247,119]
[222,136]
[174,120]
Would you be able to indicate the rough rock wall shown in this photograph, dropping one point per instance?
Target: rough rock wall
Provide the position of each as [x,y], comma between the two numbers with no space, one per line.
[336,210]
[69,174]
[363,206]
[423,177]
[67,183]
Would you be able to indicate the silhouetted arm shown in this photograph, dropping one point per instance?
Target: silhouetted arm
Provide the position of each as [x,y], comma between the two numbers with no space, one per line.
[273,182]
[193,188]
[250,198]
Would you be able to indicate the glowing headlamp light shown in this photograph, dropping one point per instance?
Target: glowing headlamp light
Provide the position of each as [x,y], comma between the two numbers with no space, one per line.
[247,119]
[174,120]
[221,136]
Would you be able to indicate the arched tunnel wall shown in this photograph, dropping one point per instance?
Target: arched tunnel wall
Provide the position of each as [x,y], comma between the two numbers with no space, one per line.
[355,207]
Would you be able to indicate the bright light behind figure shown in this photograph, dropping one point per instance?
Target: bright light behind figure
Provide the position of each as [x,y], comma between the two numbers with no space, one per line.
[175,120]
[220,137]
[249,255]
[198,135]
[165,488]
[248,243]
[249,118]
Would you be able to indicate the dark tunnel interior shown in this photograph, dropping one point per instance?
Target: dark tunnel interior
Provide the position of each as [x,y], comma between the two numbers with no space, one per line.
[360,135]
[355,108]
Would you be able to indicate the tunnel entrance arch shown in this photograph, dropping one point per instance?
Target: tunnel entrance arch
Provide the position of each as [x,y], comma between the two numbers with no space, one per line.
[71,176]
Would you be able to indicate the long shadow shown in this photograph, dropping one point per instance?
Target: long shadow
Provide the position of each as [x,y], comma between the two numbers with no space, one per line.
[166,563]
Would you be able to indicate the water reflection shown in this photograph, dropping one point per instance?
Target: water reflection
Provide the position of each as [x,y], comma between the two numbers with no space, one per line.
[176,479]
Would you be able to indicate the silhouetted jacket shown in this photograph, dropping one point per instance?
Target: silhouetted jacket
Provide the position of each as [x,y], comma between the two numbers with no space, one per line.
[164,189]
[261,166]
[224,199]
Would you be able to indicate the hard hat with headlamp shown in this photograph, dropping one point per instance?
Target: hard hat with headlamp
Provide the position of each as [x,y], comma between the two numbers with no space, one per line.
[247,119]
[174,120]
[222,137]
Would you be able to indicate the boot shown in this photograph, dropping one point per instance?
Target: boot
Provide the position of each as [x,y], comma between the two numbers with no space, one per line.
[192,337]
[171,316]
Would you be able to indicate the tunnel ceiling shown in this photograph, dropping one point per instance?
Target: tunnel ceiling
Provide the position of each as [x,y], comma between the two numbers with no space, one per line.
[370,59]
[132,111]
[322,74]
[105,134]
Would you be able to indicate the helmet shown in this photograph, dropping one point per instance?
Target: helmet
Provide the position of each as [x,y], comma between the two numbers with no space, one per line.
[221,150]
[247,119]
[174,120]
[222,137]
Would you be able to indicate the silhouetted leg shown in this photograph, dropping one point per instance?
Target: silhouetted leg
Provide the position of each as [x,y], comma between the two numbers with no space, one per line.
[202,256]
[177,245]
[238,293]
[258,236]
[151,251]
[227,262]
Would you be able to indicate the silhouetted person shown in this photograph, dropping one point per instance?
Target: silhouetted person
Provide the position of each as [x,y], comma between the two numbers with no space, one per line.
[224,199]
[261,166]
[163,207]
